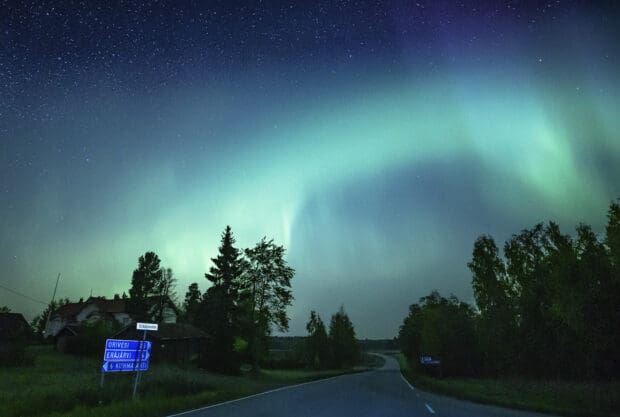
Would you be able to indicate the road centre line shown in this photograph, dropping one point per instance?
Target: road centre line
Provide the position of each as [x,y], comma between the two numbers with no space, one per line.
[429,408]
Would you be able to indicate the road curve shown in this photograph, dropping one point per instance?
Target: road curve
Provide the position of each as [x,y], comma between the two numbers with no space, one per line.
[380,393]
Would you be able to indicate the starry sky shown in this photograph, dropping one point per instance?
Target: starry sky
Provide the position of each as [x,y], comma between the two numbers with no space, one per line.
[375,140]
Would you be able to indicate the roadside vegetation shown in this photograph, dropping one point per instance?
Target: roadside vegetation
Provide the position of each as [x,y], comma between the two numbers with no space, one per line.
[246,299]
[543,334]
[562,398]
[69,386]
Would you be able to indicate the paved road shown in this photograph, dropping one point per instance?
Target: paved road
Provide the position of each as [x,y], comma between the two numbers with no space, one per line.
[380,393]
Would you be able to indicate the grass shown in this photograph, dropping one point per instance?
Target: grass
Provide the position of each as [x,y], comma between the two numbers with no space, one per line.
[575,399]
[63,385]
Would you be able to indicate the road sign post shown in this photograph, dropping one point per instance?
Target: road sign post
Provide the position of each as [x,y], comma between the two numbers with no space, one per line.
[145,327]
[123,355]
[128,355]
[431,363]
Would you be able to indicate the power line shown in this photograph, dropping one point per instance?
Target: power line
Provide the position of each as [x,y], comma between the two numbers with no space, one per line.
[23,295]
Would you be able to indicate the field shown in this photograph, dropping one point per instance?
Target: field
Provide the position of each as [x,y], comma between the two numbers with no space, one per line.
[575,399]
[62,385]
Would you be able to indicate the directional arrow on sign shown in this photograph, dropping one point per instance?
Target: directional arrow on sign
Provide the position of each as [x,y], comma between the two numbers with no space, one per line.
[126,355]
[128,366]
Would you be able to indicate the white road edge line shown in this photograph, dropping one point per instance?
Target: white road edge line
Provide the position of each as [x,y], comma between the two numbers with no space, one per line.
[407,382]
[428,407]
[261,393]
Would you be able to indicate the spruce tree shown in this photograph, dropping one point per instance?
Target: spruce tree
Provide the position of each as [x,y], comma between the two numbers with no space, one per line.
[144,283]
[191,305]
[317,343]
[219,309]
[342,337]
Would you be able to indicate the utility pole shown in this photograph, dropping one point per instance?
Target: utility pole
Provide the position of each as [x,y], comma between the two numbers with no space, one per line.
[51,304]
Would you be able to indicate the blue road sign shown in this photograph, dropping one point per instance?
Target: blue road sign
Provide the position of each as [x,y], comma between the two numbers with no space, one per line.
[428,360]
[127,344]
[127,366]
[126,355]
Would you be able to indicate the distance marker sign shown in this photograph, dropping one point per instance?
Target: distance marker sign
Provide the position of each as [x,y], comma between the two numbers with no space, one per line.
[124,366]
[126,355]
[117,344]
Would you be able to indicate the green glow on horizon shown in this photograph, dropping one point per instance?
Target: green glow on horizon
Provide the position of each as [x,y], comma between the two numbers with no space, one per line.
[527,140]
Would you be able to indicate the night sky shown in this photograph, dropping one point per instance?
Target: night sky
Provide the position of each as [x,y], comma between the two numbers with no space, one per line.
[375,140]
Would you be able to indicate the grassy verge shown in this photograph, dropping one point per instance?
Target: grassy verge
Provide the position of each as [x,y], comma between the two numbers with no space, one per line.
[575,399]
[62,385]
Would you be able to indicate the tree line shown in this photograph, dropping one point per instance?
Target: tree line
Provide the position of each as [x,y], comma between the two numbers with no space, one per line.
[337,349]
[247,298]
[549,306]
[248,295]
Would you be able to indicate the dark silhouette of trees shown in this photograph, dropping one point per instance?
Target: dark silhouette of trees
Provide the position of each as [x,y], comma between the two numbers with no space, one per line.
[164,292]
[612,238]
[409,337]
[528,269]
[220,310]
[612,291]
[5,309]
[145,281]
[345,350]
[548,308]
[265,293]
[443,328]
[492,293]
[192,304]
[318,349]
[249,294]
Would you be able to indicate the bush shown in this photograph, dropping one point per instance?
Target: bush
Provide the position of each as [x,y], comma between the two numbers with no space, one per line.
[91,339]
[283,359]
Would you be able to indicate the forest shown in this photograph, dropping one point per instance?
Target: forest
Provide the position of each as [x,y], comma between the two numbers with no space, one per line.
[548,306]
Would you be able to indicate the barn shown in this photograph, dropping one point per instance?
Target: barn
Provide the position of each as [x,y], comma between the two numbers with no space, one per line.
[172,342]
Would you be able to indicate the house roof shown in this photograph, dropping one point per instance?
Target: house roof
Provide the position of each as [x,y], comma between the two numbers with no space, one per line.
[166,331]
[13,326]
[117,305]
[109,306]
[69,311]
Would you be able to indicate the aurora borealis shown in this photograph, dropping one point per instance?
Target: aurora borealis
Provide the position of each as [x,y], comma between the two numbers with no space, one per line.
[375,141]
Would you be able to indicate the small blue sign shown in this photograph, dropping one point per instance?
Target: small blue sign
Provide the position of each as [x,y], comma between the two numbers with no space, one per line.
[126,355]
[127,344]
[428,360]
[128,366]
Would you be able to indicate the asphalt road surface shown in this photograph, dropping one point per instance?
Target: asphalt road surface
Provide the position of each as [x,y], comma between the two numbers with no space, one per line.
[380,393]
